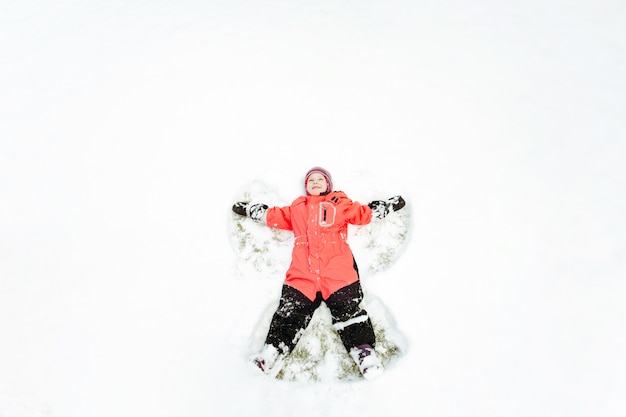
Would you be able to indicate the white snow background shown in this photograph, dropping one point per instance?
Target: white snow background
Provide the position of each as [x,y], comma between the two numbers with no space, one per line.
[128,128]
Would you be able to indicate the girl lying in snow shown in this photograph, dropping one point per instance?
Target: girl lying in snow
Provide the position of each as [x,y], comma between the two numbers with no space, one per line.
[322,269]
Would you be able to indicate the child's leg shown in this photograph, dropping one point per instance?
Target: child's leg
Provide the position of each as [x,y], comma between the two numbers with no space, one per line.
[349,319]
[292,316]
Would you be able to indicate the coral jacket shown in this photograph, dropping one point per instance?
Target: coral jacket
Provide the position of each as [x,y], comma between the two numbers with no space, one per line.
[321,258]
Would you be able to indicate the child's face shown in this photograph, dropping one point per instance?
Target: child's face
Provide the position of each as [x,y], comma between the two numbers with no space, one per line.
[316,184]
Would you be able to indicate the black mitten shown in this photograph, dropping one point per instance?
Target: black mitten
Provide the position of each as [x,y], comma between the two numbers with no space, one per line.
[396,202]
[380,208]
[240,208]
[255,211]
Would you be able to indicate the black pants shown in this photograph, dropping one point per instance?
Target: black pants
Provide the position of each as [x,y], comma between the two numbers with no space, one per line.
[295,311]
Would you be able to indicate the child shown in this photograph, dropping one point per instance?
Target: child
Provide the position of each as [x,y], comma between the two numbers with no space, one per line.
[322,269]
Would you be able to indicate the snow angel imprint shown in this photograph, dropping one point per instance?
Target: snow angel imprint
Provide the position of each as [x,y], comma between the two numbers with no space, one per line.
[322,269]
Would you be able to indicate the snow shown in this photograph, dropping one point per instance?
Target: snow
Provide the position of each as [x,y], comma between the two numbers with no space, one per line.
[128,129]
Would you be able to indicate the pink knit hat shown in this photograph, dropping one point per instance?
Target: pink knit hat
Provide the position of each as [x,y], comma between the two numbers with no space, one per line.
[326,174]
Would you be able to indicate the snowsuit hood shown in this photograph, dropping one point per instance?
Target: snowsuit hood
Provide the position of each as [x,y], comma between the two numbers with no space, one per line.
[325,173]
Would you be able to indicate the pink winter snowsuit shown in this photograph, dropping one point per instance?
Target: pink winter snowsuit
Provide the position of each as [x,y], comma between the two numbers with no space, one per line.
[322,260]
